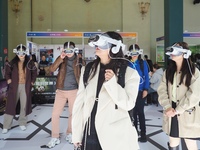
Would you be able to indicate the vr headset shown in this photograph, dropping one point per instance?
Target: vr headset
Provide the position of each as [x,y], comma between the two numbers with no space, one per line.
[21,51]
[71,49]
[177,51]
[75,50]
[105,42]
[134,52]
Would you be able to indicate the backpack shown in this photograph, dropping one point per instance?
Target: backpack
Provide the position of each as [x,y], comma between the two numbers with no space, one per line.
[121,74]
[121,81]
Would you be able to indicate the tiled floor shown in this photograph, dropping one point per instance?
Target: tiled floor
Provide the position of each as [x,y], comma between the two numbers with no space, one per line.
[39,126]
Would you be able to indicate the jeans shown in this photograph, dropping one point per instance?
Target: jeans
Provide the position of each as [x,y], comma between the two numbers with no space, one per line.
[138,113]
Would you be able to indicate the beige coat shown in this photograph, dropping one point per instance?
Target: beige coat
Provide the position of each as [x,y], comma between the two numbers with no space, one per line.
[187,100]
[114,127]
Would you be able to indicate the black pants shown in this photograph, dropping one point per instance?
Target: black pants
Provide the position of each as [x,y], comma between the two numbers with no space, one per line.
[174,124]
[91,141]
[138,112]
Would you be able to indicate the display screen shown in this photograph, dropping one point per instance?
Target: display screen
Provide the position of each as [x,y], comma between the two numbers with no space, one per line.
[45,87]
[3,94]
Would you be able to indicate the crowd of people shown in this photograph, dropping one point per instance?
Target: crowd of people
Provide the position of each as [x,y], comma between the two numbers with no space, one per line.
[106,97]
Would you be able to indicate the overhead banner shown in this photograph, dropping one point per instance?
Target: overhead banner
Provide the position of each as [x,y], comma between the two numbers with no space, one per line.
[191,35]
[185,35]
[54,34]
[74,34]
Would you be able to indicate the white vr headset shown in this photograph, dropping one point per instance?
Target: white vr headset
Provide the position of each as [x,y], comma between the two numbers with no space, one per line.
[177,51]
[105,42]
[138,52]
[21,51]
[71,49]
[134,52]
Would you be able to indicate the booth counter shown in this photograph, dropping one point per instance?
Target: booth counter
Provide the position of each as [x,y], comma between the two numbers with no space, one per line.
[44,90]
[3,95]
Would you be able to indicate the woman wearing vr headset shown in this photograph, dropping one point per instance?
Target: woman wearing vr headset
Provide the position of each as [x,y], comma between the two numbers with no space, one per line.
[100,118]
[142,69]
[67,86]
[20,74]
[179,96]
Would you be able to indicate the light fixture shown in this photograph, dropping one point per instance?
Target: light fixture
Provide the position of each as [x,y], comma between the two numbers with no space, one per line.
[143,8]
[16,6]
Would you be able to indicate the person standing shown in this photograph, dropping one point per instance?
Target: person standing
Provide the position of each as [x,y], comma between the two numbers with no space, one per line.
[155,79]
[20,74]
[100,118]
[149,62]
[179,96]
[142,69]
[42,65]
[66,89]
[33,58]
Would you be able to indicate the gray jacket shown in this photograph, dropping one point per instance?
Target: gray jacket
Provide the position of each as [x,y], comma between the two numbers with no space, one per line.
[156,78]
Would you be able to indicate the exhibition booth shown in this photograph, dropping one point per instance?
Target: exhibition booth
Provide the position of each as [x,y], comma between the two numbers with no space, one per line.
[44,87]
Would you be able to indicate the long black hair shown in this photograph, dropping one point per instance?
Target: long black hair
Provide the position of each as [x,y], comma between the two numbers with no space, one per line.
[116,59]
[140,60]
[185,69]
[16,59]
[34,58]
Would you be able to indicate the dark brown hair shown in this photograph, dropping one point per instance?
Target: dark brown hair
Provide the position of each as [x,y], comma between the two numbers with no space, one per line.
[185,68]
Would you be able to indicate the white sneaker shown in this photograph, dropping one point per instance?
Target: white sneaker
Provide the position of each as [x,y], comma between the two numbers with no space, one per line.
[69,138]
[53,142]
[4,131]
[23,128]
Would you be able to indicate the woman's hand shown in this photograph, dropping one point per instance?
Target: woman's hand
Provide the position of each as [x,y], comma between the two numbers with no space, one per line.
[170,112]
[9,81]
[63,54]
[108,74]
[144,93]
[76,145]
[150,74]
